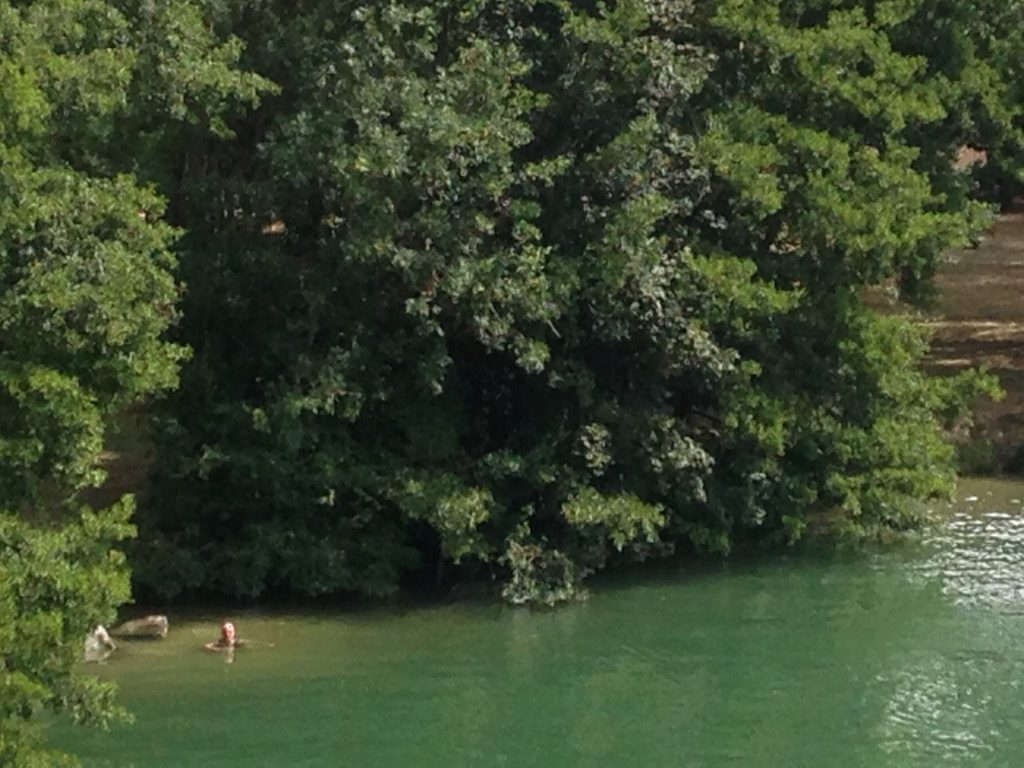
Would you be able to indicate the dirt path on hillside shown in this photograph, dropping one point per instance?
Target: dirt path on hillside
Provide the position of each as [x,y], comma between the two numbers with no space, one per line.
[980,321]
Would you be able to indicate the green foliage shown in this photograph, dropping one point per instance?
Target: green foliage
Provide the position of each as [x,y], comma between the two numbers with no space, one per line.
[821,144]
[474,198]
[624,518]
[86,294]
[974,51]
[533,288]
[451,509]
[55,584]
[538,574]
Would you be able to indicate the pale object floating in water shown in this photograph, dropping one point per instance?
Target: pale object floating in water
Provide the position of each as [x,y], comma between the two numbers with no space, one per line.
[99,645]
[148,626]
[970,498]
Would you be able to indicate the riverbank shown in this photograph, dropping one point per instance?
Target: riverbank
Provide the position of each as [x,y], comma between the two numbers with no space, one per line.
[901,656]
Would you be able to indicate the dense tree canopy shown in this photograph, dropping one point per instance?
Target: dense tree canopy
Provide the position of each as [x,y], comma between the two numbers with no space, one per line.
[526,288]
[832,144]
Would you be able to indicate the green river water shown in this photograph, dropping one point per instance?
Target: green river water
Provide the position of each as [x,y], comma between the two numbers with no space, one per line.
[909,657]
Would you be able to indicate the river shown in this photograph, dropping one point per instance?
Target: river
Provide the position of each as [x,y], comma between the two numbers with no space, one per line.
[910,656]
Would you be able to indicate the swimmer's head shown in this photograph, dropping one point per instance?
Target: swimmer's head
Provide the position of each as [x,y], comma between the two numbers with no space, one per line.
[227,631]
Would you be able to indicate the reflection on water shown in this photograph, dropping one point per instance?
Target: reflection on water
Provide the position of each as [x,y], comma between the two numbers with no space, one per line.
[937,713]
[910,657]
[979,559]
[959,703]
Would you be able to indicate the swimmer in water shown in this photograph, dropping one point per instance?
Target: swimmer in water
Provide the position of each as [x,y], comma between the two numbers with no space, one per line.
[228,640]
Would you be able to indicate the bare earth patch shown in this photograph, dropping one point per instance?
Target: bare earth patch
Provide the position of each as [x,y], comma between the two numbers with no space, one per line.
[980,321]
[127,460]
